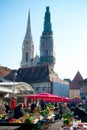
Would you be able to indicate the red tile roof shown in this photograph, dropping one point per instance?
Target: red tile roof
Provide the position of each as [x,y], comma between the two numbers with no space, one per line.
[33,74]
[4,71]
[74,84]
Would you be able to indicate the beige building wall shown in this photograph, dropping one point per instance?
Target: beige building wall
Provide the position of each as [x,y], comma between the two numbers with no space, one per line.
[74,92]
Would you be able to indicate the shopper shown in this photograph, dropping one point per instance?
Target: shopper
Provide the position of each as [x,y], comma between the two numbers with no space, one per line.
[65,108]
[33,106]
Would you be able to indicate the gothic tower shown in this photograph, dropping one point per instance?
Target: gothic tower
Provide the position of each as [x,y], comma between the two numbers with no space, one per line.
[27,47]
[47,48]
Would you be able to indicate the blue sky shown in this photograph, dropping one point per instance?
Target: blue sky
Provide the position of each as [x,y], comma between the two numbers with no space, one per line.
[69,25]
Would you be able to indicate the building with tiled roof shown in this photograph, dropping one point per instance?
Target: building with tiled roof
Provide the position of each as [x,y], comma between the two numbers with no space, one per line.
[4,71]
[75,85]
[42,79]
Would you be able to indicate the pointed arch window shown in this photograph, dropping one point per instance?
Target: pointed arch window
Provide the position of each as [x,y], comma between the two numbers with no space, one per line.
[26,56]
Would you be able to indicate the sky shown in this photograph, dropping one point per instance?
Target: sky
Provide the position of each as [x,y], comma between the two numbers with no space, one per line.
[69,25]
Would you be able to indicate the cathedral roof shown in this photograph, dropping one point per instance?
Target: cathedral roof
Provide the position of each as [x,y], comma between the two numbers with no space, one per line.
[33,74]
[75,83]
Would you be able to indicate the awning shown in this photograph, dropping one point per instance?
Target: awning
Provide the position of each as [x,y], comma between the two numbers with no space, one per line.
[46,97]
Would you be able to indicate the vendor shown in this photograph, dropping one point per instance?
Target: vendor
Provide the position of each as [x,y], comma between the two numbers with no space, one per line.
[18,111]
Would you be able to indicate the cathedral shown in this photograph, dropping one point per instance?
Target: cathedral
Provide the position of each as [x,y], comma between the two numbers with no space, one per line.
[47,48]
[39,70]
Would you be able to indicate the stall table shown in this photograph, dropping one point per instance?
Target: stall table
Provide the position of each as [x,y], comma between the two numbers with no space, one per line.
[20,126]
[9,127]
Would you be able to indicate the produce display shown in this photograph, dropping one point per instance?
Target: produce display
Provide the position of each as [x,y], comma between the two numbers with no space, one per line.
[46,112]
[2,116]
[68,118]
[27,118]
[32,118]
[51,105]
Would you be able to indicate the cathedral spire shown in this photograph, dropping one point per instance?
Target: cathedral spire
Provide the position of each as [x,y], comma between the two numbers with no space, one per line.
[28,29]
[47,23]
[28,24]
[47,46]
[28,46]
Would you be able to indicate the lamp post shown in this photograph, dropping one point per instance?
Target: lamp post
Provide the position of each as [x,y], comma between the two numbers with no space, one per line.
[13,98]
[15,74]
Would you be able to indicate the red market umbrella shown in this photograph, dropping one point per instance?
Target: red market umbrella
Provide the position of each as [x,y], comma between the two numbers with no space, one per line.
[58,99]
[66,99]
[46,97]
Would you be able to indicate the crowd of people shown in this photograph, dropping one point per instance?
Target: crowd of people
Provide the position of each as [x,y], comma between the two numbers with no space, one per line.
[6,109]
[78,109]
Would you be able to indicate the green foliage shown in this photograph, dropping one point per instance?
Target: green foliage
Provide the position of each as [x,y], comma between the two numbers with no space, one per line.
[29,120]
[66,121]
[68,118]
[46,112]
[67,115]
[51,106]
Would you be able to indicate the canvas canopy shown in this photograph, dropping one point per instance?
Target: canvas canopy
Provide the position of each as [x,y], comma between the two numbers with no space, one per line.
[46,97]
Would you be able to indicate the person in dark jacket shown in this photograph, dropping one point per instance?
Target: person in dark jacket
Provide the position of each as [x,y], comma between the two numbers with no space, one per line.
[17,112]
[33,106]
[7,107]
[82,114]
[43,105]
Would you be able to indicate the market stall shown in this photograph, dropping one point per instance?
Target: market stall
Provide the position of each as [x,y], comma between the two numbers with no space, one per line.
[29,121]
[36,120]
